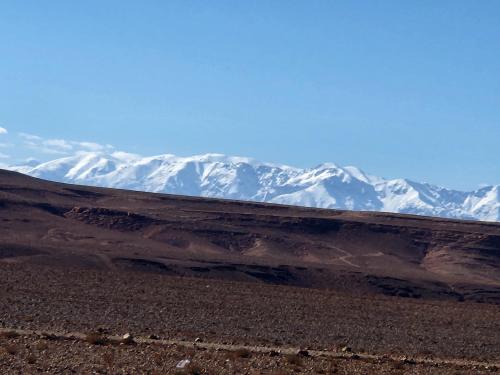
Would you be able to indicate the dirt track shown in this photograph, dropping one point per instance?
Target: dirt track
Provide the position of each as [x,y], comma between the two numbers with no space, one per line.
[20,349]
[343,353]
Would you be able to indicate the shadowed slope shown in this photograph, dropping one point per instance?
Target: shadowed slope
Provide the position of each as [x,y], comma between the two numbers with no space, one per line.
[64,225]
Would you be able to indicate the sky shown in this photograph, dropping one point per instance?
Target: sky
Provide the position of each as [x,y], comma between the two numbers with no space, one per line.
[397,88]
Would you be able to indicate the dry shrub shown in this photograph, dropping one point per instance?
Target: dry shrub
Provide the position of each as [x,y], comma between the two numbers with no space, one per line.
[193,369]
[11,349]
[49,336]
[398,365]
[294,360]
[109,358]
[332,367]
[9,334]
[240,353]
[41,346]
[31,359]
[159,358]
[96,339]
[187,352]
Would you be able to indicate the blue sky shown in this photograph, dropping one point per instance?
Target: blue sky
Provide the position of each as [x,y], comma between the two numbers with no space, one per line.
[397,88]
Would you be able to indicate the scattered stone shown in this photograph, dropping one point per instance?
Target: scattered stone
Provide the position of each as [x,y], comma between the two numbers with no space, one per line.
[198,339]
[183,364]
[153,337]
[346,349]
[127,338]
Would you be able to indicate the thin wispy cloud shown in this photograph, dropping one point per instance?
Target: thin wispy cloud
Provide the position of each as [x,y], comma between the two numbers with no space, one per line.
[60,146]
[3,130]
[92,146]
[20,149]
[30,137]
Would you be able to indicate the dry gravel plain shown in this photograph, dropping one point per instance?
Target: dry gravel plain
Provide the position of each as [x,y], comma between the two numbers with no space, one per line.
[174,308]
[32,355]
[372,288]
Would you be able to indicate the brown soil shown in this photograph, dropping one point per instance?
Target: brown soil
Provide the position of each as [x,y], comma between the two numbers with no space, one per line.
[65,300]
[28,352]
[63,225]
[76,259]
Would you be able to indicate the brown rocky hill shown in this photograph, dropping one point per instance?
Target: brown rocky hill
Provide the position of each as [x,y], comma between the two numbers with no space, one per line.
[53,224]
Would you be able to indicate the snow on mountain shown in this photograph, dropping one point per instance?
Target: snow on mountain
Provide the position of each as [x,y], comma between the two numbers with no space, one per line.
[215,175]
[484,203]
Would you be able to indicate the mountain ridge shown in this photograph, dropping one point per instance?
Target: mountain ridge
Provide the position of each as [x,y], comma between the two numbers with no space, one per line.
[231,177]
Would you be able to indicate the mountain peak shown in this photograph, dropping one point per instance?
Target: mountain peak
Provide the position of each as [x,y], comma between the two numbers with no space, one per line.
[234,177]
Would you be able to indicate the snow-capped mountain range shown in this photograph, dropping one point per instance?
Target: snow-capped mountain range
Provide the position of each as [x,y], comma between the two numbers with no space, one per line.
[214,175]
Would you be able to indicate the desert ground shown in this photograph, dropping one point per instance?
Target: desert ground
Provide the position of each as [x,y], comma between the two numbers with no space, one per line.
[237,287]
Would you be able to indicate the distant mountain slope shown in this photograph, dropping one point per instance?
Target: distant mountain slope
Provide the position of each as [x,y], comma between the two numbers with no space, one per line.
[214,175]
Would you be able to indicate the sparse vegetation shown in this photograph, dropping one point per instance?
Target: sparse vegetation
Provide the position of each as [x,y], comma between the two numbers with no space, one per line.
[73,290]
[11,349]
[398,365]
[158,359]
[194,369]
[191,369]
[49,336]
[9,334]
[96,339]
[109,359]
[295,360]
[41,346]
[31,359]
[240,353]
